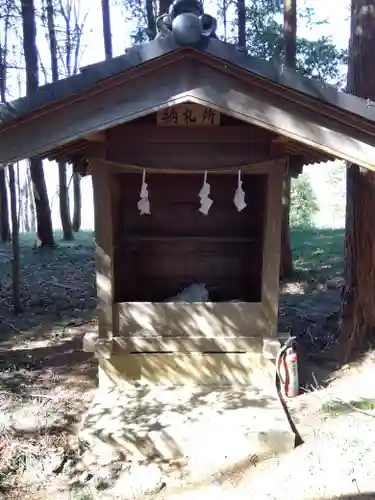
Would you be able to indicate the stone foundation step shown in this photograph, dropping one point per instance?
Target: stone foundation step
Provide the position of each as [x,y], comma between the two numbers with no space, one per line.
[203,430]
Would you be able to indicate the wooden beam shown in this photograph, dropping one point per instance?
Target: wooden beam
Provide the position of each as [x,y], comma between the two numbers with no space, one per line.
[95,137]
[191,156]
[124,345]
[280,139]
[160,135]
[261,168]
[69,151]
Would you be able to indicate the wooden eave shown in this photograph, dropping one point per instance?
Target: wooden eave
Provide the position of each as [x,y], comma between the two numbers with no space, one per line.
[95,90]
[319,128]
[75,151]
[279,91]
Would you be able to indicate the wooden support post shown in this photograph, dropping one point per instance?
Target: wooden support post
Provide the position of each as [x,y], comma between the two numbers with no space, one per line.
[103,248]
[272,247]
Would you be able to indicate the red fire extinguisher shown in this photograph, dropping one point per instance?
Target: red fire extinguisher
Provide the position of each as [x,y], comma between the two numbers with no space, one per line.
[287,368]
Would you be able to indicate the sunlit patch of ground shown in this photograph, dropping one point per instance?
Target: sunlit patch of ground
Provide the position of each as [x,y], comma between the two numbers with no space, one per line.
[46,385]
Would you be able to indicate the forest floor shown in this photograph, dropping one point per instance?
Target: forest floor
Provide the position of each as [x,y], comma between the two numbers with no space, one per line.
[47,382]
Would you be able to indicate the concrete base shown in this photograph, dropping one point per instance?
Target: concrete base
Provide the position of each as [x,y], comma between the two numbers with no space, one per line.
[205,430]
[188,368]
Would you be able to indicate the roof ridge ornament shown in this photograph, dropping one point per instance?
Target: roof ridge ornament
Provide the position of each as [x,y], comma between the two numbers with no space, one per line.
[187,23]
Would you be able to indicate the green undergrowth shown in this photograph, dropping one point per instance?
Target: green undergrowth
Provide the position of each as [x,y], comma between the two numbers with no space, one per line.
[318,252]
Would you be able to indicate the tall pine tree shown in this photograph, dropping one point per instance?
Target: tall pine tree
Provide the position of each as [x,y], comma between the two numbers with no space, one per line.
[43,211]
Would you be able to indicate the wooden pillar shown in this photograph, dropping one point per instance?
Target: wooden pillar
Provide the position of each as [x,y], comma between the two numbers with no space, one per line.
[272,246]
[101,181]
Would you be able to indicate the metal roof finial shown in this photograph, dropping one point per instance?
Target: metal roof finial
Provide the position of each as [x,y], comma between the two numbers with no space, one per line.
[187,22]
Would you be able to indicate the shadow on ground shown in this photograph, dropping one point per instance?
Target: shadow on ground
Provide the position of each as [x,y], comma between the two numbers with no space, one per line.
[160,423]
[26,368]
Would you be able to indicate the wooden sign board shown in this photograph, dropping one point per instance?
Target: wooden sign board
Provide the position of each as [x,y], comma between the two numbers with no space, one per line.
[188,115]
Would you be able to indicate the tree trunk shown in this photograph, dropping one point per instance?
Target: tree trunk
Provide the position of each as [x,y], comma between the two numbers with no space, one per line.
[358,305]
[106,17]
[63,191]
[66,222]
[25,207]
[17,307]
[31,201]
[286,260]
[151,23]
[43,212]
[77,202]
[42,209]
[225,20]
[4,210]
[241,23]
[290,35]
[20,193]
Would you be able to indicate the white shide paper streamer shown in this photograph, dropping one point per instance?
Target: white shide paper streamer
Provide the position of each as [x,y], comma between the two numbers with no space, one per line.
[239,195]
[143,203]
[204,195]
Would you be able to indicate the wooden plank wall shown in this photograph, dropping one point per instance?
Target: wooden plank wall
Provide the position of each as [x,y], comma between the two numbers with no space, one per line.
[157,255]
[232,144]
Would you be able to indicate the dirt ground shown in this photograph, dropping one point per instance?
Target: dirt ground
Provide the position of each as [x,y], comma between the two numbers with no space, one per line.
[47,382]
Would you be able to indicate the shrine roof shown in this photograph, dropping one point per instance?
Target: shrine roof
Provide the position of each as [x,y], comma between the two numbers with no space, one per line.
[271,71]
[171,70]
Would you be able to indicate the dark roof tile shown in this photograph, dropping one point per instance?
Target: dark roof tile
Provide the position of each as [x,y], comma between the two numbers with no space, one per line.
[228,53]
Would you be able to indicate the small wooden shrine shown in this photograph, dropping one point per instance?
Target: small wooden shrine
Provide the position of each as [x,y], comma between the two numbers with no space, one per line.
[146,259]
[187,142]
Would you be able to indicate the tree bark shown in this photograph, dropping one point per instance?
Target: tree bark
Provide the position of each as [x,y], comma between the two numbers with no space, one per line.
[77,202]
[31,202]
[286,259]
[290,33]
[151,23]
[225,20]
[241,23]
[17,307]
[25,207]
[4,210]
[290,36]
[42,209]
[20,194]
[66,223]
[43,212]
[357,327]
[107,36]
